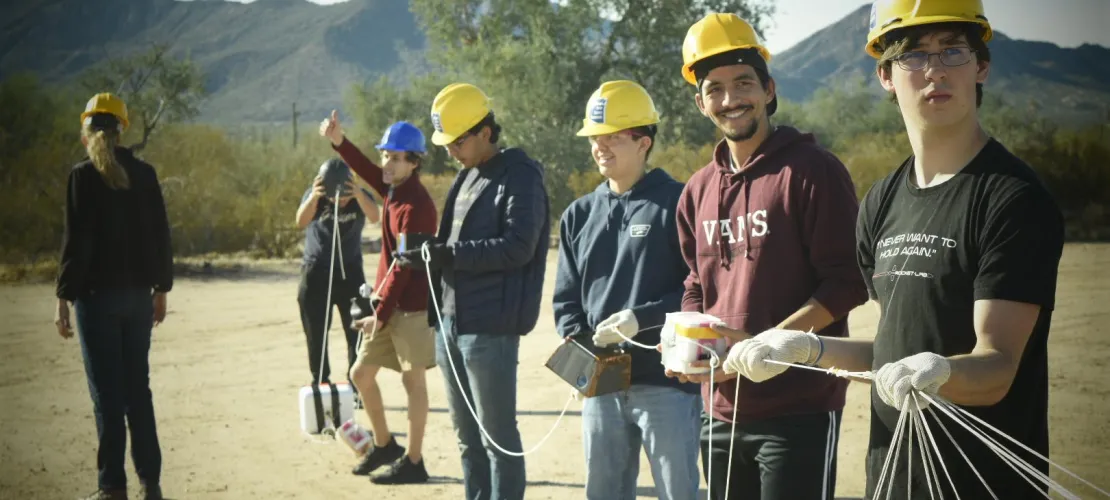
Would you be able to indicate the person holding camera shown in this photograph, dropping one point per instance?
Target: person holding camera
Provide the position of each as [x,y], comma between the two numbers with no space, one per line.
[316,215]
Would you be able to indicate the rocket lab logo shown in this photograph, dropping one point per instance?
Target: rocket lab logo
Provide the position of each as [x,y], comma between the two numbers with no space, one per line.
[437,123]
[597,111]
[639,230]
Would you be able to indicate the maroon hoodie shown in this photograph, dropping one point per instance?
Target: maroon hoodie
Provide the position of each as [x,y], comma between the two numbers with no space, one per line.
[762,242]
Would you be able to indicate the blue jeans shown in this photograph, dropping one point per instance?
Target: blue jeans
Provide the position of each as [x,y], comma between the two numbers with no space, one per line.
[114,327]
[486,367]
[665,420]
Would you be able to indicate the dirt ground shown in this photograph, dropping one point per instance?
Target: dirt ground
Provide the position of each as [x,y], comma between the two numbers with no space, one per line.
[230,358]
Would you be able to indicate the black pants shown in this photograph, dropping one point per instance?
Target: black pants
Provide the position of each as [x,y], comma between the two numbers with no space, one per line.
[791,457]
[115,328]
[312,296]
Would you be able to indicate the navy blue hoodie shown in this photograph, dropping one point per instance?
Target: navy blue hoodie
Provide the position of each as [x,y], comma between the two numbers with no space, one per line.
[621,252]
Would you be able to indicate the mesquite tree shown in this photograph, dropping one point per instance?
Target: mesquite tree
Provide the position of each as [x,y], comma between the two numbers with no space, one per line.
[157,86]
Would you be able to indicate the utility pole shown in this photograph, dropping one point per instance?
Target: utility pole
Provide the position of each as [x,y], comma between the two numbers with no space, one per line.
[294,125]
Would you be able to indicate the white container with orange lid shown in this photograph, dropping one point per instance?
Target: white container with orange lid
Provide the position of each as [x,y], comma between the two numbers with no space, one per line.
[689,337]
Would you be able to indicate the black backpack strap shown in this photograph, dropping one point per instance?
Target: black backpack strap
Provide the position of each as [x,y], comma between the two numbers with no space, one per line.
[334,405]
[319,407]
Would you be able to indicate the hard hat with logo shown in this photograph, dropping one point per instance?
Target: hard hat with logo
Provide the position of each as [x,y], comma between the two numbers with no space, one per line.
[889,15]
[714,34]
[618,105]
[402,136]
[106,103]
[456,109]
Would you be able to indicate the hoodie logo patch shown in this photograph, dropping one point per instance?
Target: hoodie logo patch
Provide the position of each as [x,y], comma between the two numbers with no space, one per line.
[597,111]
[639,230]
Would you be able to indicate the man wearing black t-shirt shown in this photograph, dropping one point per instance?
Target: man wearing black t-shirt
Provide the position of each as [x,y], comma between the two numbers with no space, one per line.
[960,248]
[316,216]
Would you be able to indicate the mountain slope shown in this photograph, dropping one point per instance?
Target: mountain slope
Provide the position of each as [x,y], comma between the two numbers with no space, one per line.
[258,58]
[1071,83]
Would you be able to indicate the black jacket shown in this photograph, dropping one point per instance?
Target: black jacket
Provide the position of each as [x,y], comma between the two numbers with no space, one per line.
[500,257]
[114,238]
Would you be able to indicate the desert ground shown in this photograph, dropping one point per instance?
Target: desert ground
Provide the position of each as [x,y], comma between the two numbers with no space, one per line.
[229,360]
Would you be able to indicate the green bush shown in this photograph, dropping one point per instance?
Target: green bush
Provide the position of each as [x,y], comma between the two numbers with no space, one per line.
[237,191]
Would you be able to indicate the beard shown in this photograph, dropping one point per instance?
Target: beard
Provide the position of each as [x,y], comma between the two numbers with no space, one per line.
[744,132]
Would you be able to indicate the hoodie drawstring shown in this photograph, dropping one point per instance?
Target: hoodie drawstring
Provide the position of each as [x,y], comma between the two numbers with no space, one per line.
[742,229]
[722,213]
[747,221]
[608,216]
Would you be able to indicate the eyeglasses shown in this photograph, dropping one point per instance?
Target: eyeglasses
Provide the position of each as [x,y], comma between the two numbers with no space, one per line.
[917,60]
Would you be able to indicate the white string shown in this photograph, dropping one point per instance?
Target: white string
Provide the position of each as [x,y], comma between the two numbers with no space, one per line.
[934,399]
[731,441]
[714,362]
[892,457]
[331,278]
[425,254]
[909,451]
[1009,457]
[962,454]
[373,312]
[837,372]
[920,427]
[1001,454]
[931,478]
[932,441]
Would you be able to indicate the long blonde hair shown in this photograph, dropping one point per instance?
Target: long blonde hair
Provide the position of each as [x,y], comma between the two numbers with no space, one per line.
[101,145]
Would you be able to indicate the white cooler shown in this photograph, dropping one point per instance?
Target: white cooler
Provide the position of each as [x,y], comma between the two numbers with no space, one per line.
[325,405]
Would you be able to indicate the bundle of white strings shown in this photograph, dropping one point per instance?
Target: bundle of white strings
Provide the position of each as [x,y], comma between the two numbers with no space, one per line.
[918,429]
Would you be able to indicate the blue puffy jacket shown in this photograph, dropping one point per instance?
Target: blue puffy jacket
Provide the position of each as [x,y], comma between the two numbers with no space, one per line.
[501,254]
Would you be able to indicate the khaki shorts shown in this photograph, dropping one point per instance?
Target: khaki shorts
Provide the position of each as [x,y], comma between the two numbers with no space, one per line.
[406,343]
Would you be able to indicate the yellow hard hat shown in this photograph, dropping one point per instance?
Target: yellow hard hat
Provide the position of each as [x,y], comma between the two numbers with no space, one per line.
[618,105]
[456,109]
[106,103]
[714,34]
[889,15]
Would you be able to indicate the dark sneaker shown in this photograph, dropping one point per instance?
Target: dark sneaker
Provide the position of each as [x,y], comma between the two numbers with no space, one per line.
[403,471]
[152,492]
[107,495]
[378,457]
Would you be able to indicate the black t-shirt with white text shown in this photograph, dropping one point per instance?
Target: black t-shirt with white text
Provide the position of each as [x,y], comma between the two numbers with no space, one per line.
[319,235]
[992,231]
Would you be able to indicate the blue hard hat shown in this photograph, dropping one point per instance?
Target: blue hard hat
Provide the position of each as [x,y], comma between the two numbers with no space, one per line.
[402,136]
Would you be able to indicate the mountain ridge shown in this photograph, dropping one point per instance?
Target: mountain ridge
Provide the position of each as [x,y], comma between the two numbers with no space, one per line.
[1072,84]
[260,58]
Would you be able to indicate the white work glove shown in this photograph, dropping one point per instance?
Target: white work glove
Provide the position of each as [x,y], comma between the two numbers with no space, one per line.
[624,322]
[748,357]
[925,372]
[577,395]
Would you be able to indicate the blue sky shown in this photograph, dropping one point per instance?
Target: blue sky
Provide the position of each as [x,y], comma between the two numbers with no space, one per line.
[1068,23]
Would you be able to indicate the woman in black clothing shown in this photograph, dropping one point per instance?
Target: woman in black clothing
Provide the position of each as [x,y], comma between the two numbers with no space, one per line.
[116,269]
